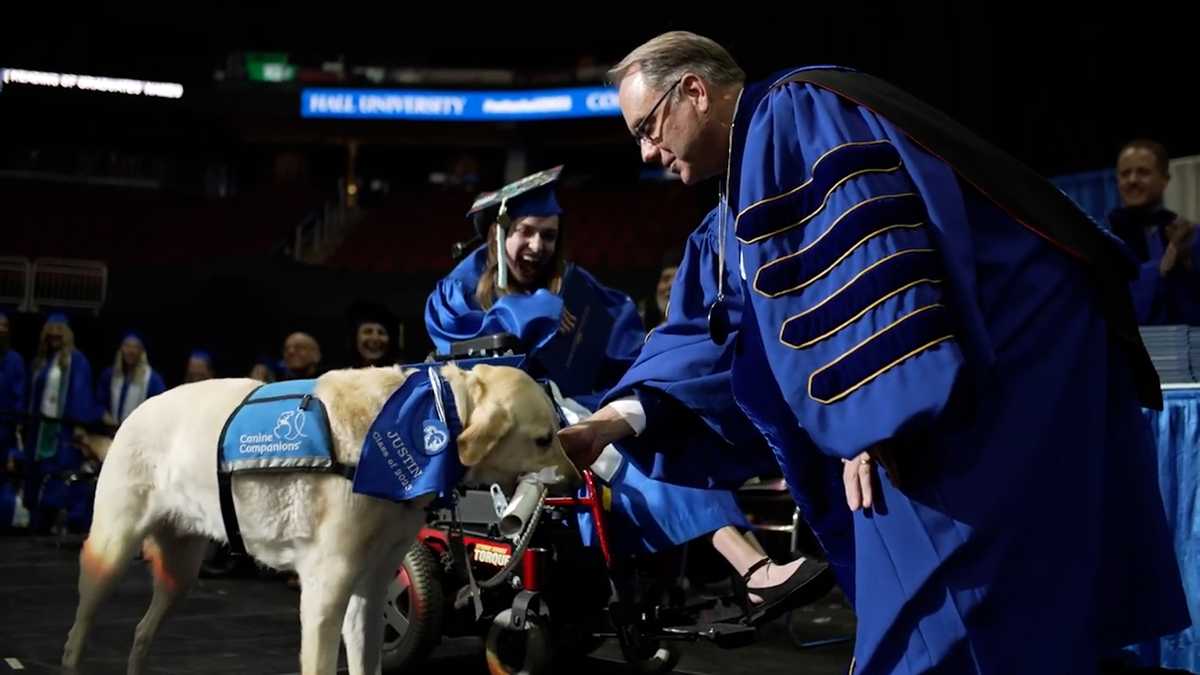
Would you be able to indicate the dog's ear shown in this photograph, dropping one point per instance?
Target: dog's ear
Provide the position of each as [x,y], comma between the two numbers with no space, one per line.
[489,422]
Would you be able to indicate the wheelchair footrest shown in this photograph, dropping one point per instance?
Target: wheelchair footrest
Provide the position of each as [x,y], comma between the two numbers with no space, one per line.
[725,635]
[683,616]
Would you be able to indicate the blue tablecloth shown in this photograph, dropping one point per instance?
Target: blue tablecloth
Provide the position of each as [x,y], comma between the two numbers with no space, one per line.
[1177,435]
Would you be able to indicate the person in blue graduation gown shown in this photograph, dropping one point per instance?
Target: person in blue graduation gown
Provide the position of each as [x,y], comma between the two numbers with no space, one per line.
[916,298]
[12,394]
[467,304]
[61,403]
[12,412]
[1167,288]
[128,382]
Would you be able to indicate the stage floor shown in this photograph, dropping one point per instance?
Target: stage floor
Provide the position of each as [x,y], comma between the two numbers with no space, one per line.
[252,627]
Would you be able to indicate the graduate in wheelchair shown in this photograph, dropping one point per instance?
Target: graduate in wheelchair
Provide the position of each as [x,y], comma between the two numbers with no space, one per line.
[515,292]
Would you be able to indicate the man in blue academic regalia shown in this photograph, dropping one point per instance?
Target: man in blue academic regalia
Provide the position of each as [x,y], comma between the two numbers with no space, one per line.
[916,298]
[1167,288]
[677,399]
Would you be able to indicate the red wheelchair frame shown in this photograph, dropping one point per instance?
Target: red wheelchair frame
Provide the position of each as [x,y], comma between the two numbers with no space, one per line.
[645,630]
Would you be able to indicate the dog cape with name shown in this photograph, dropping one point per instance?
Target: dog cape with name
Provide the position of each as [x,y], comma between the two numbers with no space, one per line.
[411,448]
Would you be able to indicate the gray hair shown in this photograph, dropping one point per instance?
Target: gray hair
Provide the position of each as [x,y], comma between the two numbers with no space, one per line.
[667,57]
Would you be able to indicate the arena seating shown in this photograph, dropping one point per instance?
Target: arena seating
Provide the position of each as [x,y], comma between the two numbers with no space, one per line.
[603,229]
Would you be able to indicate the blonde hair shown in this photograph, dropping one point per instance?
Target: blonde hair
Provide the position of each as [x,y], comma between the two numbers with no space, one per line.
[666,58]
[64,353]
[139,370]
[486,292]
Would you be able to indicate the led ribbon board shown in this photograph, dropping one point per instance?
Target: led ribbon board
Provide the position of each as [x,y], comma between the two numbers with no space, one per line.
[464,106]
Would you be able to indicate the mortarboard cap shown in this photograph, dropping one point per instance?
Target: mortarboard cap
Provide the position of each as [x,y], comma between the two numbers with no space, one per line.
[540,202]
[533,195]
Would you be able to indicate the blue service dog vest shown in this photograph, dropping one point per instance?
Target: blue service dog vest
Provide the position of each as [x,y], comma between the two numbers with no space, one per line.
[278,426]
[410,449]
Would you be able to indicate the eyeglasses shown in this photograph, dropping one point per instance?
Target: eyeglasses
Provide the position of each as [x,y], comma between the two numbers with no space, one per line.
[639,132]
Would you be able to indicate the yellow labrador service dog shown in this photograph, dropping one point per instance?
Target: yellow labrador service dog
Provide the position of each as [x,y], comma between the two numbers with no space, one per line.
[161,489]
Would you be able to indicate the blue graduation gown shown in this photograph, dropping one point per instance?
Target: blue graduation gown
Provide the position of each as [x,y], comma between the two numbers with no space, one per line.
[452,314]
[1158,300]
[896,304]
[654,515]
[8,502]
[12,400]
[682,377]
[41,498]
[1173,299]
[154,386]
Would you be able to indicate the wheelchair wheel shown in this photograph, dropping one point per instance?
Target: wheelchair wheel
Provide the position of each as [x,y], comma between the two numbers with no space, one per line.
[513,651]
[413,611]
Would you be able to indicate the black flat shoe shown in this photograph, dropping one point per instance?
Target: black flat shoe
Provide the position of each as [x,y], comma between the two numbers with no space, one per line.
[808,583]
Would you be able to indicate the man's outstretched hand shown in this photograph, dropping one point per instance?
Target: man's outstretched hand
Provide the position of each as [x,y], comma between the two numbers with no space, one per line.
[584,441]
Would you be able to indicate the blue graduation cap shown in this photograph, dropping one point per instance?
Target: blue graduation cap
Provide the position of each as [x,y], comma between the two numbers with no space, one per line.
[539,202]
[58,317]
[533,195]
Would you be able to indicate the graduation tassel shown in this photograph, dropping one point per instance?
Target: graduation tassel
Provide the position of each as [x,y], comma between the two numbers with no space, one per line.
[501,233]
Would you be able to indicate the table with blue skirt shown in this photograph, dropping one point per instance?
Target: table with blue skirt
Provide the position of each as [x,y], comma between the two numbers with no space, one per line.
[1176,432]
